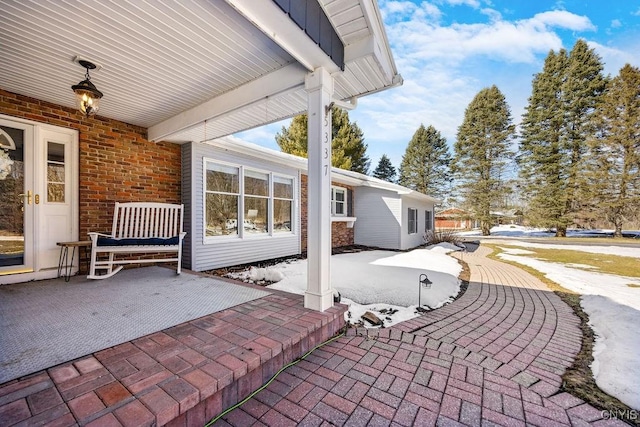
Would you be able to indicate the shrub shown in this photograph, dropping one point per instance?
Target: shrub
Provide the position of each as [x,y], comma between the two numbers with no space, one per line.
[433,237]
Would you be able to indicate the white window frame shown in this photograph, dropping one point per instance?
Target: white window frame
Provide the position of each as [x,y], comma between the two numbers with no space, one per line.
[335,189]
[205,161]
[412,221]
[241,197]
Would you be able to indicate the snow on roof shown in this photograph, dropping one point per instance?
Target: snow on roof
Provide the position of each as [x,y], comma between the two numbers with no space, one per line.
[238,145]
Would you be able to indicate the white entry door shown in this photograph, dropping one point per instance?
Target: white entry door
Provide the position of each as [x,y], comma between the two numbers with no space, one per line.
[38,197]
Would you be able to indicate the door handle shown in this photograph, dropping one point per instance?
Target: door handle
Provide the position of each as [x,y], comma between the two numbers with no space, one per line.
[26,195]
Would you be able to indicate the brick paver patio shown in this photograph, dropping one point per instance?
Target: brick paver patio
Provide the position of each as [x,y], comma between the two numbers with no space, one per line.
[183,375]
[493,357]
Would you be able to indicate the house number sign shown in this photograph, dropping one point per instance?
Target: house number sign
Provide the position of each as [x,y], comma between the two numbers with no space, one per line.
[326,147]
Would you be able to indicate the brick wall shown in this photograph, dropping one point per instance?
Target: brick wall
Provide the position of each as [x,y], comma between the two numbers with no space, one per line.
[340,234]
[117,162]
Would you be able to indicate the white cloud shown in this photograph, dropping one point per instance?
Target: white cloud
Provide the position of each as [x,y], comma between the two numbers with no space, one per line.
[563,19]
[520,41]
[473,3]
[493,14]
[396,11]
[636,13]
[616,23]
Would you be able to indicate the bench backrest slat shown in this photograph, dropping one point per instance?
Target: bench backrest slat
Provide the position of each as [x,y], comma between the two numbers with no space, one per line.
[141,220]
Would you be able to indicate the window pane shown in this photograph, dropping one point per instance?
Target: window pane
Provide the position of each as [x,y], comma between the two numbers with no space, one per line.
[282,187]
[55,172]
[412,221]
[339,195]
[222,178]
[256,183]
[55,193]
[339,208]
[255,215]
[55,152]
[282,216]
[222,214]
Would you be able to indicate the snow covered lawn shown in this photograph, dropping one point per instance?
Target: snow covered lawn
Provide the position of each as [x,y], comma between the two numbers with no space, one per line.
[376,280]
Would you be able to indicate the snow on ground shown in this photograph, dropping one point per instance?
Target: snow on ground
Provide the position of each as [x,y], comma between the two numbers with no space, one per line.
[377,280]
[614,314]
[600,249]
[512,230]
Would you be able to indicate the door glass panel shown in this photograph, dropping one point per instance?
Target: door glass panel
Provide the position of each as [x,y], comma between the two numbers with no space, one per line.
[11,196]
[55,172]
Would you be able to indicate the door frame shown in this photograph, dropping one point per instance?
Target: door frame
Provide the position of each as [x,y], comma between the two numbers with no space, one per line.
[34,169]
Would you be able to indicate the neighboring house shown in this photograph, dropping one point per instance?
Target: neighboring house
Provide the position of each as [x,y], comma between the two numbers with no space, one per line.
[511,216]
[233,182]
[455,219]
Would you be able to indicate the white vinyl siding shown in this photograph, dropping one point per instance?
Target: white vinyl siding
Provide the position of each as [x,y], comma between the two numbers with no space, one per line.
[379,218]
[409,241]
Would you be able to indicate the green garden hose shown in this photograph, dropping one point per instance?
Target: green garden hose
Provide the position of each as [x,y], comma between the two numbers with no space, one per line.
[250,396]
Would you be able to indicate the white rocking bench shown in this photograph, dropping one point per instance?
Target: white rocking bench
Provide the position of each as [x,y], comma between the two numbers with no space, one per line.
[138,228]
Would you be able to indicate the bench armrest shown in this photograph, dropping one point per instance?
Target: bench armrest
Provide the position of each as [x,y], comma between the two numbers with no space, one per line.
[94,235]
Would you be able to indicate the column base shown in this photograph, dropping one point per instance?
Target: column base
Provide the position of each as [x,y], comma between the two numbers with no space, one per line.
[318,302]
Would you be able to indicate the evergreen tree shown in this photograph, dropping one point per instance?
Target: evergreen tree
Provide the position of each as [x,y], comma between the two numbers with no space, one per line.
[614,171]
[348,150]
[555,128]
[385,169]
[482,152]
[425,164]
[541,156]
[582,92]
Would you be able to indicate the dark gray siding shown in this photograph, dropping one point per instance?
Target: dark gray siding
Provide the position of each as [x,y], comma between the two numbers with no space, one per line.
[186,190]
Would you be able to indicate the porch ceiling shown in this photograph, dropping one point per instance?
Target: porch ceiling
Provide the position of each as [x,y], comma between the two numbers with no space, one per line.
[174,66]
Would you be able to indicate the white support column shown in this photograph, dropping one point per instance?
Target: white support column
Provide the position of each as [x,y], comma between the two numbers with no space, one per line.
[319,87]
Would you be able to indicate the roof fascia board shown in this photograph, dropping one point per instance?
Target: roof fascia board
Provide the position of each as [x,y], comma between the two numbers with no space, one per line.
[239,146]
[338,175]
[380,48]
[275,24]
[284,79]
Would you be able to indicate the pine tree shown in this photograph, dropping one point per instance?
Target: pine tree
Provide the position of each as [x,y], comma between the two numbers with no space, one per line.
[482,152]
[555,127]
[293,140]
[385,169]
[614,172]
[425,164]
[348,150]
[541,155]
[582,92]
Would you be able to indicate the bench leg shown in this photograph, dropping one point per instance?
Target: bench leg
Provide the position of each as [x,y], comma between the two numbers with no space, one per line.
[106,276]
[178,270]
[110,270]
[92,266]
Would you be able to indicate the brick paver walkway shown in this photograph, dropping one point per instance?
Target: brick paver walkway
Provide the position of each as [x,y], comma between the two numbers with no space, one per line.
[493,357]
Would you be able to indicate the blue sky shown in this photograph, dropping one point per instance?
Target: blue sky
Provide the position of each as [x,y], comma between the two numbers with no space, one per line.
[449,50]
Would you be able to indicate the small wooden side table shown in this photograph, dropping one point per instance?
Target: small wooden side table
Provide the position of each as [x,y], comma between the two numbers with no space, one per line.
[63,261]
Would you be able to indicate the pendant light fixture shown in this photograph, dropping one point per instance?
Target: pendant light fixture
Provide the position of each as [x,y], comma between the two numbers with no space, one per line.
[87,95]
